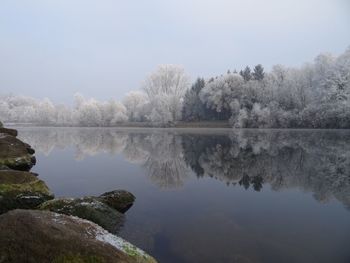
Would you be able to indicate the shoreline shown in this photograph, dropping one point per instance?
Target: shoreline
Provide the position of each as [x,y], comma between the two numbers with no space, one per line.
[179,128]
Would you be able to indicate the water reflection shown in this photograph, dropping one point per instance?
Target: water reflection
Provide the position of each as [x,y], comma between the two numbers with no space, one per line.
[315,161]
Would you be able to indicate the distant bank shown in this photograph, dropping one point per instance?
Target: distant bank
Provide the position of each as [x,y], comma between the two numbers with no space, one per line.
[179,124]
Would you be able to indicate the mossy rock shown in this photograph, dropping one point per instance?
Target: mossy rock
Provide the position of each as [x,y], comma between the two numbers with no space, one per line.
[120,200]
[1,125]
[11,132]
[19,189]
[15,154]
[89,208]
[42,236]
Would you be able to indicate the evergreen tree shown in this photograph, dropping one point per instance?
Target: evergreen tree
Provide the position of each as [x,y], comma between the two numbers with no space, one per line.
[246,74]
[193,108]
[258,72]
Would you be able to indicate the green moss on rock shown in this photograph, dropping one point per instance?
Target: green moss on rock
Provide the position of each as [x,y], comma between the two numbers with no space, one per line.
[89,208]
[15,154]
[120,200]
[19,189]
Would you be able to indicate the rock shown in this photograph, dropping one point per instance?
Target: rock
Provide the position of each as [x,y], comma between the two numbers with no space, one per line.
[15,154]
[30,150]
[4,167]
[105,210]
[19,189]
[120,200]
[11,132]
[89,208]
[1,125]
[42,236]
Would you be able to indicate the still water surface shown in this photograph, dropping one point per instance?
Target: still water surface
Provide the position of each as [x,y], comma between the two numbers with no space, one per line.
[212,195]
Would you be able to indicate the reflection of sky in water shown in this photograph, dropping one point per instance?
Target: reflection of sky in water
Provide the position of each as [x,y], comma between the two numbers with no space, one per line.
[246,196]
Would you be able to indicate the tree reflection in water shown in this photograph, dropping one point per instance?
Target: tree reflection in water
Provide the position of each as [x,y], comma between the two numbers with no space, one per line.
[315,161]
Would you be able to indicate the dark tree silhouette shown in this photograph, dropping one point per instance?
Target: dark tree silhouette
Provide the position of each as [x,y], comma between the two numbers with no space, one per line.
[258,72]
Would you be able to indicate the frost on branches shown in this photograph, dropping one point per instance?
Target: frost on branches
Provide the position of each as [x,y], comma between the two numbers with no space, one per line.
[316,95]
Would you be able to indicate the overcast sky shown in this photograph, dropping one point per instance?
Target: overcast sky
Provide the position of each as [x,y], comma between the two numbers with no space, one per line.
[105,48]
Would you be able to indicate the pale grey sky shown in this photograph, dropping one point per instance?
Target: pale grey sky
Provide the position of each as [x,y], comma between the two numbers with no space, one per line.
[105,48]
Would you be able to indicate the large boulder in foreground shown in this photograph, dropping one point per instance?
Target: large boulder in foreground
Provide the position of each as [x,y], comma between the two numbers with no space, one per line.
[89,208]
[120,200]
[42,236]
[19,189]
[15,154]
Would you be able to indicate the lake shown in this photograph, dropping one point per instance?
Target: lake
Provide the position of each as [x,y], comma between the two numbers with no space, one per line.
[212,195]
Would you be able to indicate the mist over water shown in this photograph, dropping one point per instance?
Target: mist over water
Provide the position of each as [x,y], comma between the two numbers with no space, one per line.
[212,195]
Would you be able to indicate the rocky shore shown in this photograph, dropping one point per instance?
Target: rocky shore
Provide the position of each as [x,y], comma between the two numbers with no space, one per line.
[36,227]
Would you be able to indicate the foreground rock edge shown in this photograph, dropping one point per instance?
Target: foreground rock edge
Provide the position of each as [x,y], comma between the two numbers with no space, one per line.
[20,189]
[87,240]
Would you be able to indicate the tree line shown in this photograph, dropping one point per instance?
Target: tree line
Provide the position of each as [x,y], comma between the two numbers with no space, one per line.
[316,95]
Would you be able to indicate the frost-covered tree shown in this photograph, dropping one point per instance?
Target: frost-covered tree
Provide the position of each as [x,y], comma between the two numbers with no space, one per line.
[63,115]
[316,95]
[90,112]
[338,78]
[220,93]
[46,112]
[134,103]
[165,89]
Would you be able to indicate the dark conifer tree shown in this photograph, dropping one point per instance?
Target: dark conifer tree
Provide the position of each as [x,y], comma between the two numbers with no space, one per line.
[258,72]
[193,108]
[246,74]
